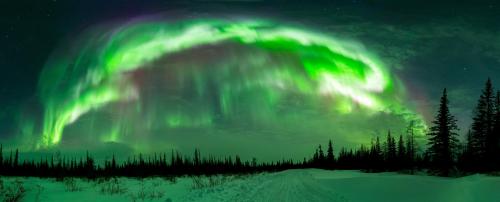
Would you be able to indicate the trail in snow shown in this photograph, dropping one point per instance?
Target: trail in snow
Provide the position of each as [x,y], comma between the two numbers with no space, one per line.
[293,185]
[353,186]
[289,185]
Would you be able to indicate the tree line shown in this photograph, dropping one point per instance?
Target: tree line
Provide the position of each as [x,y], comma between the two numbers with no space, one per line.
[174,164]
[445,154]
[395,153]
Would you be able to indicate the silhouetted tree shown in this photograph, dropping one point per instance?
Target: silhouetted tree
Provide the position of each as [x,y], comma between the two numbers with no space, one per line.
[315,158]
[196,157]
[10,160]
[113,162]
[1,157]
[442,138]
[237,161]
[330,158]
[321,156]
[401,153]
[16,158]
[496,134]
[390,151]
[376,155]
[410,147]
[482,128]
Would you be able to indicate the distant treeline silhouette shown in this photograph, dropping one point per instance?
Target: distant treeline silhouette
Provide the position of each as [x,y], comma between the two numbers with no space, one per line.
[162,164]
[445,154]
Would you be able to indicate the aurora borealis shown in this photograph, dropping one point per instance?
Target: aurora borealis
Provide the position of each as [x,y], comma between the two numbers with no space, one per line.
[245,79]
[162,73]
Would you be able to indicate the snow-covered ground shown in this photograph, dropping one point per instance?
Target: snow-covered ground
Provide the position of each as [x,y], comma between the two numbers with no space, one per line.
[290,185]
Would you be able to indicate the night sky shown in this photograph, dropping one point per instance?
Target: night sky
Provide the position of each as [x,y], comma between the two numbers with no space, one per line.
[264,79]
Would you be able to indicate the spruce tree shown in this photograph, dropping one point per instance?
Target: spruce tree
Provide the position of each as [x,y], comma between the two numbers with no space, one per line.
[482,128]
[197,158]
[377,155]
[10,160]
[401,152]
[496,134]
[443,138]
[16,159]
[378,148]
[390,150]
[329,154]
[321,156]
[315,157]
[497,114]
[1,157]
[113,163]
[410,146]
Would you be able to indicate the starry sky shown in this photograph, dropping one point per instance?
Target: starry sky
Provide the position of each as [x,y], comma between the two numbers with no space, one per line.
[265,79]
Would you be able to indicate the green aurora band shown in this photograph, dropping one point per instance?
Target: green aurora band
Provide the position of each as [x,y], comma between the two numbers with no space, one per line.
[335,76]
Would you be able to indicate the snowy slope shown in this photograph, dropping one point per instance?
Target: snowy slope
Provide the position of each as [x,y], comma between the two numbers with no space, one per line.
[290,185]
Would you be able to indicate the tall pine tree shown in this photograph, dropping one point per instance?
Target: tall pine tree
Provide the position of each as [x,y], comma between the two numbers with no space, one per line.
[442,138]
[410,146]
[390,151]
[376,155]
[496,134]
[483,147]
[329,154]
[401,152]
[321,156]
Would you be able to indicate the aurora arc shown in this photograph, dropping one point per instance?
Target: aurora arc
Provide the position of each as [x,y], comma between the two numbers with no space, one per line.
[98,73]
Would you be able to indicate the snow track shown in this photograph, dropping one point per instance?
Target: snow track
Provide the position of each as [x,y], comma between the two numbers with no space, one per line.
[353,186]
[290,185]
[293,185]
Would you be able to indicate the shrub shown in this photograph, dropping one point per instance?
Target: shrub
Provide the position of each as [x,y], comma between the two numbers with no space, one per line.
[13,193]
[71,184]
[112,186]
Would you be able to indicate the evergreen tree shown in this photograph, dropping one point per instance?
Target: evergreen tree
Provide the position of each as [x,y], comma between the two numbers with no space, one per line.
[196,157]
[315,158]
[482,128]
[113,162]
[390,150]
[497,114]
[442,138]
[410,146]
[237,161]
[16,159]
[496,134]
[401,152]
[376,155]
[321,155]
[329,154]
[1,157]
[10,159]
[378,148]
